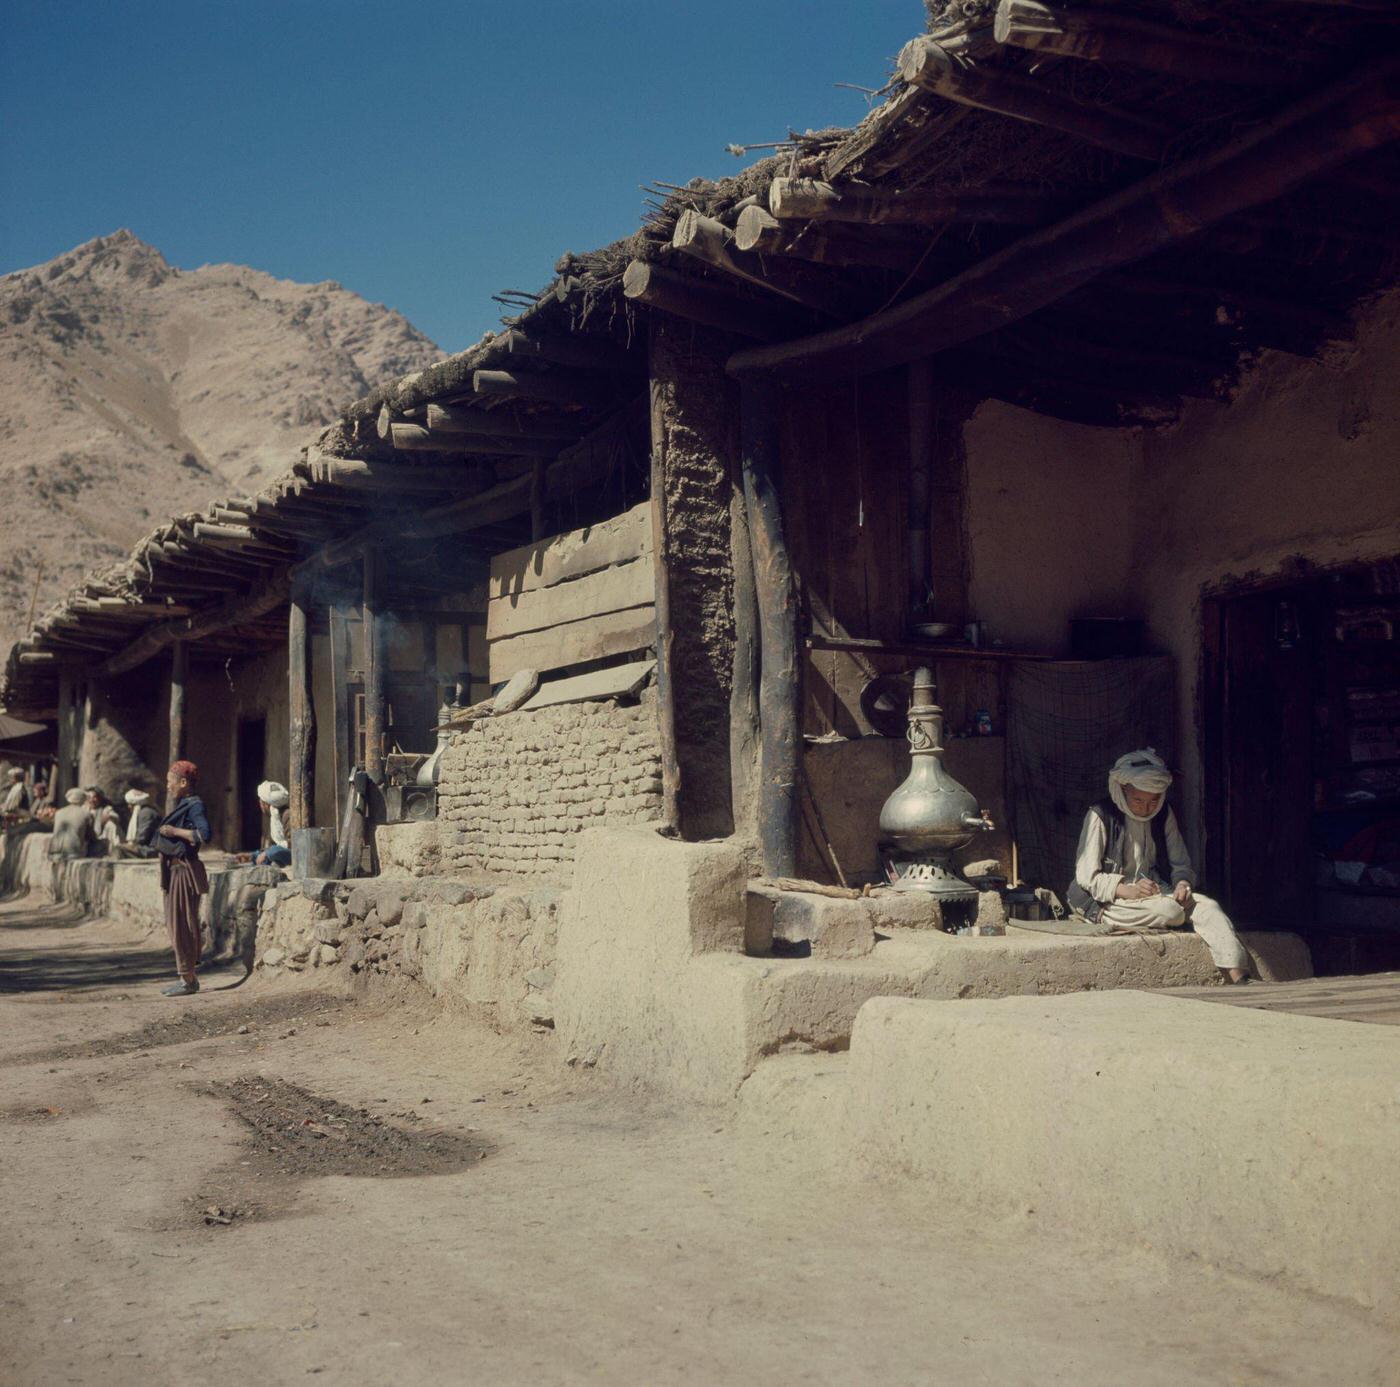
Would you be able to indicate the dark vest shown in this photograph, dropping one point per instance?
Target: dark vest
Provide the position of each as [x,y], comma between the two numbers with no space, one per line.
[1115,824]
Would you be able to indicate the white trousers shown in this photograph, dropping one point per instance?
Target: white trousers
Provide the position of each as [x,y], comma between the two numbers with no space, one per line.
[1203,915]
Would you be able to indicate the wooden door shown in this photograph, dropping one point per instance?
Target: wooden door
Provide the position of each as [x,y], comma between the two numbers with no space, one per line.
[1259,765]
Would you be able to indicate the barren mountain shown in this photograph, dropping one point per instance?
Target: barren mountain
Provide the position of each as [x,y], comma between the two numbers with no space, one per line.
[131,391]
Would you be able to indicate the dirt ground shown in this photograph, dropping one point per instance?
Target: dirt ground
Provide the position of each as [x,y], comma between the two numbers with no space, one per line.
[264,1186]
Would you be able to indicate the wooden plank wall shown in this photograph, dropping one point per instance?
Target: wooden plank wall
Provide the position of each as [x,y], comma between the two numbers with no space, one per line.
[573,598]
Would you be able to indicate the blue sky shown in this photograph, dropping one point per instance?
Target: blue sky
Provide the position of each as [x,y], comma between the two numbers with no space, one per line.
[425,155]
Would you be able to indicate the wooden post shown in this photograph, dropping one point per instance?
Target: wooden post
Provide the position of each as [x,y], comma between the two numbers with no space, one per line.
[779,804]
[179,671]
[665,633]
[744,722]
[302,787]
[340,691]
[374,663]
[920,385]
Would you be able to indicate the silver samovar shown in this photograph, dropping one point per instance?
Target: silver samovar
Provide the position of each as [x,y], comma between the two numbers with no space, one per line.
[930,815]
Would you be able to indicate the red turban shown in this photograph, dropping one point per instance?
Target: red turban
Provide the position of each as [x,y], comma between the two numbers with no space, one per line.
[186,770]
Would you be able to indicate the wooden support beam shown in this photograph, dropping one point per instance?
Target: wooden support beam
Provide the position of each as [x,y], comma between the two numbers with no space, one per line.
[590,353]
[573,388]
[198,625]
[883,248]
[1359,113]
[809,199]
[179,674]
[712,242]
[924,64]
[475,512]
[301,784]
[780,680]
[500,423]
[413,438]
[1102,35]
[340,700]
[696,301]
[375,634]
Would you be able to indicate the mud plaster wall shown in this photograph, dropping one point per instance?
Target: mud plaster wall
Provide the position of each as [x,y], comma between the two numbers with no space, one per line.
[1049,524]
[124,735]
[1305,464]
[217,697]
[515,791]
[1066,520]
[694,412]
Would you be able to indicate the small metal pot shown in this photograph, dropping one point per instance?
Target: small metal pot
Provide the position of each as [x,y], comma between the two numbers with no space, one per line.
[1025,905]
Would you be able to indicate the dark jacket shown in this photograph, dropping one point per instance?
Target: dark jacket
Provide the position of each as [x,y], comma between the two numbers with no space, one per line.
[147,821]
[188,813]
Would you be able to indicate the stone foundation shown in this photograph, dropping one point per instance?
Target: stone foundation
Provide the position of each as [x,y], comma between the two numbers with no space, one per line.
[491,947]
[515,791]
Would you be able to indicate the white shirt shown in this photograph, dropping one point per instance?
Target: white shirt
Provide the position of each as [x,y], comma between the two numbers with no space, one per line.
[1139,856]
[14,801]
[275,828]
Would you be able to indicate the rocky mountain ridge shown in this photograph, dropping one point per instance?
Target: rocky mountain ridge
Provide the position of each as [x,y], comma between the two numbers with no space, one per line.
[131,391]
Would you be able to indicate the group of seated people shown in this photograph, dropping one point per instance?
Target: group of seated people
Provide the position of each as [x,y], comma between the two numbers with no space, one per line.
[88,825]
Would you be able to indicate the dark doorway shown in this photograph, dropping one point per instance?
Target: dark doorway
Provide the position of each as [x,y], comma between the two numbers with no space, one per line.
[1259,727]
[1302,759]
[252,762]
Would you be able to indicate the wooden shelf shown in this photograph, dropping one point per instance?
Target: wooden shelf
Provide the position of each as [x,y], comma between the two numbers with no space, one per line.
[934,652]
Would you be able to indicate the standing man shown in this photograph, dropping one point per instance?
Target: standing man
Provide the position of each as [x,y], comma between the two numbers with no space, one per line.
[183,880]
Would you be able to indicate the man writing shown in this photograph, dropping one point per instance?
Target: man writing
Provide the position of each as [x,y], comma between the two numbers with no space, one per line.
[1132,869]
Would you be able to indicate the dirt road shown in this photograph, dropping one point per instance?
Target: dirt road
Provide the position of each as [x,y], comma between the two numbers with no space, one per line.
[264,1187]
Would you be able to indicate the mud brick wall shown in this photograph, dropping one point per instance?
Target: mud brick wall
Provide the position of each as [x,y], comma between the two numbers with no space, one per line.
[515,791]
[694,436]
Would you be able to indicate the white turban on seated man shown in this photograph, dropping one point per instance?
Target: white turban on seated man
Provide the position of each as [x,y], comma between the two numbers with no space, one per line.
[1132,869]
[273,799]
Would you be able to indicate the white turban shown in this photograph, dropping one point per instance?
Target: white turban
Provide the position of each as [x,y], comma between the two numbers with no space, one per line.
[270,792]
[1143,770]
[76,796]
[136,797]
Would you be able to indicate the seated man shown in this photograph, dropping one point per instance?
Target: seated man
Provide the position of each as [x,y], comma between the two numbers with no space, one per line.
[1128,848]
[16,795]
[141,826]
[272,799]
[73,834]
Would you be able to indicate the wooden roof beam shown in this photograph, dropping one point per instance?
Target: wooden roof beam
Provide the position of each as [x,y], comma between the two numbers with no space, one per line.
[205,623]
[589,353]
[810,199]
[412,438]
[924,64]
[761,233]
[1357,114]
[697,301]
[1102,35]
[587,392]
[711,242]
[500,423]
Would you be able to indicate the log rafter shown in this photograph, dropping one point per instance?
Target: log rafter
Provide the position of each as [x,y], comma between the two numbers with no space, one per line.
[1359,113]
[1103,35]
[924,63]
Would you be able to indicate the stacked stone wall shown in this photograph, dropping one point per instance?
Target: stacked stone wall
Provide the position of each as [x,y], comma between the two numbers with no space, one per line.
[515,791]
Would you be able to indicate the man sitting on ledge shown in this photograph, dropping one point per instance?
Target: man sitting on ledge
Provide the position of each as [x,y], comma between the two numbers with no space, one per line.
[1129,845]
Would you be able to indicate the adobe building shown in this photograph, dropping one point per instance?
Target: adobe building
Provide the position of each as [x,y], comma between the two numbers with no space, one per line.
[1065,374]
